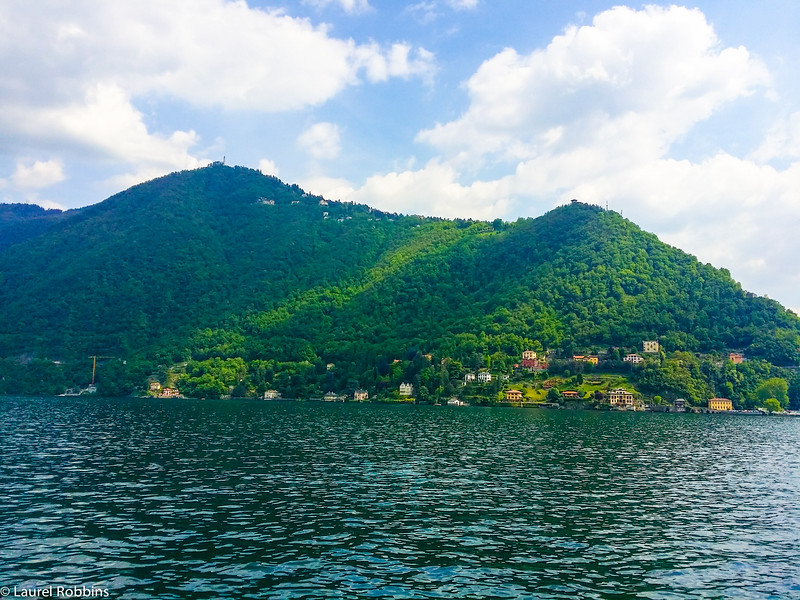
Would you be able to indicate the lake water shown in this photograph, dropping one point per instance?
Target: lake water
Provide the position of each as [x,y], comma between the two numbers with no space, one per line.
[241,499]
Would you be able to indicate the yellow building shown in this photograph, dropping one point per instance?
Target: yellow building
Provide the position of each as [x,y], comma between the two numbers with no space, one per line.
[621,398]
[720,404]
[514,395]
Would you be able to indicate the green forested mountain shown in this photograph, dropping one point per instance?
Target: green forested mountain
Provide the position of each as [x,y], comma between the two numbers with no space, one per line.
[253,283]
[21,222]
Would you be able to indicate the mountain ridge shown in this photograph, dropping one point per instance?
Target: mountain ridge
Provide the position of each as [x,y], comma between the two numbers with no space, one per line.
[224,262]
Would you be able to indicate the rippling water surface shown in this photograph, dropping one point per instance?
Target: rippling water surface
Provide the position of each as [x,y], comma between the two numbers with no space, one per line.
[205,499]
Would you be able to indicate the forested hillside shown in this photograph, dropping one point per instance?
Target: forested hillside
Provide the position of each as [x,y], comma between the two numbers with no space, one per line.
[21,222]
[230,269]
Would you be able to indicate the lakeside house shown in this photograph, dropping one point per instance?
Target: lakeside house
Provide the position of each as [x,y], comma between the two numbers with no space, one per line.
[679,405]
[621,398]
[513,395]
[456,402]
[272,395]
[484,377]
[169,392]
[570,395]
[406,389]
[333,397]
[360,395]
[720,404]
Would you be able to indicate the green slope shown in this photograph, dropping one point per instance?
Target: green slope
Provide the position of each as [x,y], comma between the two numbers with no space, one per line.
[223,263]
[21,222]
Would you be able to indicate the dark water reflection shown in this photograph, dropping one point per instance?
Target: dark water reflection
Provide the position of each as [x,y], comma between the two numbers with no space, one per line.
[186,499]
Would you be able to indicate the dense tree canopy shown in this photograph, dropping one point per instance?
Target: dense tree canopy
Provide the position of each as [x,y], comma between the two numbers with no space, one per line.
[250,284]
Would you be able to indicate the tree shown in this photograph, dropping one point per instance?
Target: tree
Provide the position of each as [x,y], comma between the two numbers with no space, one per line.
[553,395]
[773,405]
[774,388]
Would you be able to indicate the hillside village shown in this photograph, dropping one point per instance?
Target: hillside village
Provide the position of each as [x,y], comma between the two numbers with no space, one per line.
[267,290]
[537,379]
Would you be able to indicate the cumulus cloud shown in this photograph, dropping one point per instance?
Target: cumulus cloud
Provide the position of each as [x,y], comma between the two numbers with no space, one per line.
[206,52]
[333,188]
[268,167]
[321,140]
[434,190]
[400,60]
[40,174]
[462,4]
[782,141]
[642,78]
[430,10]
[72,75]
[595,116]
[351,7]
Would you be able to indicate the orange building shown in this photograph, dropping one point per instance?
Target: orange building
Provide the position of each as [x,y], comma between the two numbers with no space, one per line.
[591,358]
[736,358]
[514,395]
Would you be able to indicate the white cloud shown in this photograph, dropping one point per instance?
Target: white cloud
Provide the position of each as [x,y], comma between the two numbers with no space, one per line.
[433,190]
[351,7]
[205,52]
[40,174]
[594,116]
[462,4]
[72,75]
[268,167]
[332,188]
[430,10]
[321,140]
[782,141]
[396,62]
[638,79]
[103,124]
[33,198]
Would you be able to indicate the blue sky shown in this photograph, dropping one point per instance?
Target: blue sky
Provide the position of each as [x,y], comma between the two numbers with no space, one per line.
[684,118]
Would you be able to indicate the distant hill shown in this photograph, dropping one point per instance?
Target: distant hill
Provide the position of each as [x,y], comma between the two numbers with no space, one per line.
[225,263]
[20,222]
